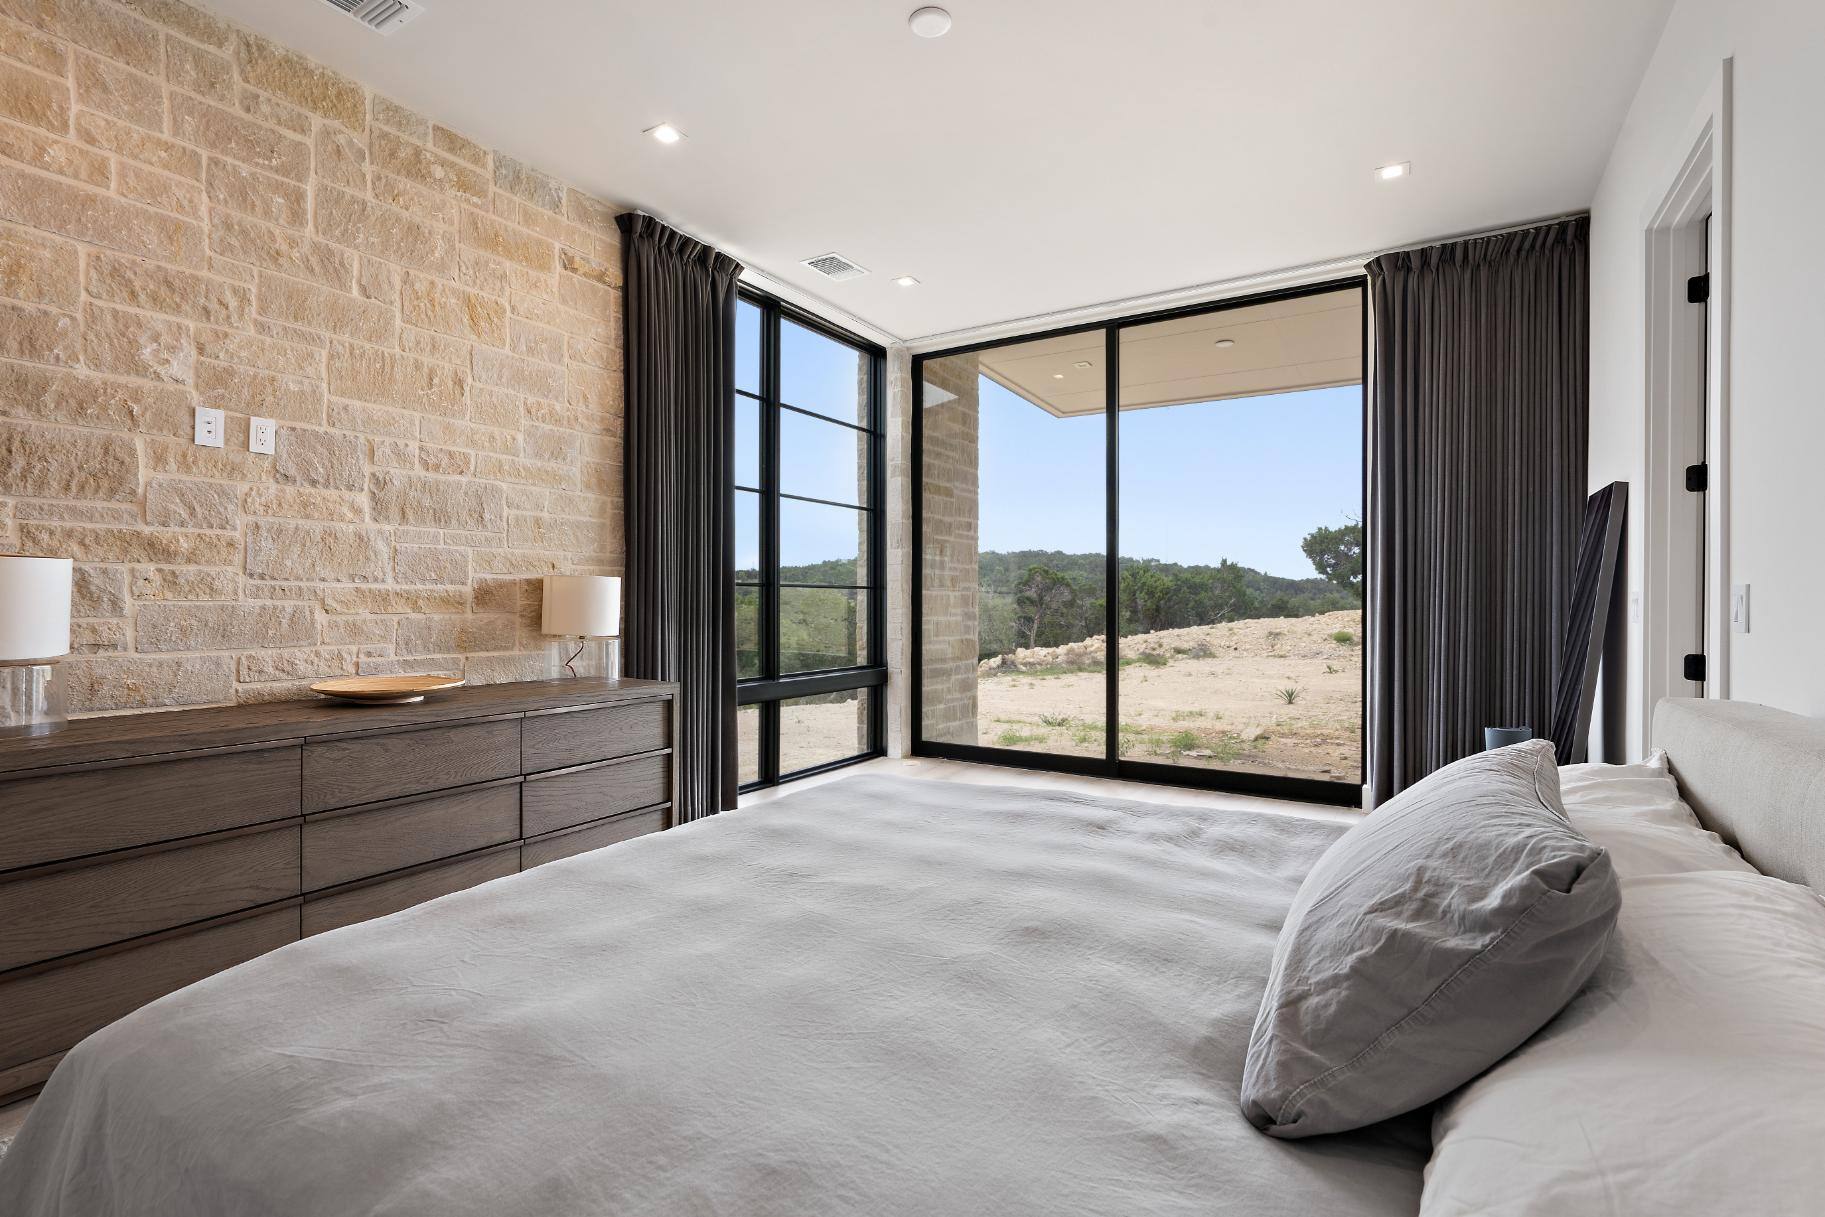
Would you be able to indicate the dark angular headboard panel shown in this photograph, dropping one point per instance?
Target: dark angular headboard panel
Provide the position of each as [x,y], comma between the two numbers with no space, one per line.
[1755,776]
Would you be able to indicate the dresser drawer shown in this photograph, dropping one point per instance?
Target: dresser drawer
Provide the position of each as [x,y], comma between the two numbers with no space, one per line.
[76,907]
[550,801]
[67,815]
[577,737]
[592,836]
[366,769]
[342,846]
[346,906]
[47,1010]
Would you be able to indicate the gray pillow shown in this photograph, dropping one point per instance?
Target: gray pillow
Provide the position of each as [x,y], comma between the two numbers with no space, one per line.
[1429,941]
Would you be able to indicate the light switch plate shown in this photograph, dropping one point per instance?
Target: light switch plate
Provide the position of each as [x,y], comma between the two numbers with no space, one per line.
[262,435]
[1739,608]
[209,427]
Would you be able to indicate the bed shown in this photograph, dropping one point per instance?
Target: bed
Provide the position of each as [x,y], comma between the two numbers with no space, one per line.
[879,996]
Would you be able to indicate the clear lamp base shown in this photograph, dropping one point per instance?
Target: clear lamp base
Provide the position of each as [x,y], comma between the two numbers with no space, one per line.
[597,657]
[32,699]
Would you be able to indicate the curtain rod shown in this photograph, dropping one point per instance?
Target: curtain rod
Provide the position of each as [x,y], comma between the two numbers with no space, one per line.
[1291,276]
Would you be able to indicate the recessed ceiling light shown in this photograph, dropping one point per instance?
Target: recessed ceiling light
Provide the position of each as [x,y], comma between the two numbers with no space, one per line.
[930,22]
[1058,376]
[1082,363]
[907,281]
[665,133]
[1388,173]
[1223,344]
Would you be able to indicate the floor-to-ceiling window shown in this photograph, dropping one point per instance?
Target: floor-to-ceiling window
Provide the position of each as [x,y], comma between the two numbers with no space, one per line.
[807,503]
[1189,485]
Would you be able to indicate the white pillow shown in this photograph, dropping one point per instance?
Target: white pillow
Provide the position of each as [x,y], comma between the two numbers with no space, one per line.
[1687,1078]
[1635,812]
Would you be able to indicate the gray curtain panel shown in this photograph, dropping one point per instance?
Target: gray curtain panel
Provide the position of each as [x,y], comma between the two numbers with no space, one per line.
[679,356]
[1477,485]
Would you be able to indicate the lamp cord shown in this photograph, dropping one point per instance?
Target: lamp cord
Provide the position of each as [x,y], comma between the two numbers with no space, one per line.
[581,643]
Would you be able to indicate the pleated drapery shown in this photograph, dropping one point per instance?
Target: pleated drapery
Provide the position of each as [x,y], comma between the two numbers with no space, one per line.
[679,358]
[1478,427]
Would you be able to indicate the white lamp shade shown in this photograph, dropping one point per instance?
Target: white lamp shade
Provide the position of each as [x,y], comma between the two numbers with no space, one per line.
[582,606]
[34,608]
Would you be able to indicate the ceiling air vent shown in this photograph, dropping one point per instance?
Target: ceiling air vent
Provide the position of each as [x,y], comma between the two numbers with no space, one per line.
[382,15]
[836,266]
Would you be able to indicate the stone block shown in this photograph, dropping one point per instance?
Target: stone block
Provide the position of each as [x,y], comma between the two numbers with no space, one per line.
[242,139]
[134,344]
[139,682]
[363,373]
[73,211]
[316,308]
[247,391]
[195,70]
[296,254]
[260,195]
[124,139]
[65,463]
[332,553]
[223,626]
[36,100]
[53,155]
[421,501]
[436,305]
[108,88]
[38,335]
[94,543]
[184,583]
[179,503]
[311,663]
[98,591]
[346,218]
[322,460]
[164,289]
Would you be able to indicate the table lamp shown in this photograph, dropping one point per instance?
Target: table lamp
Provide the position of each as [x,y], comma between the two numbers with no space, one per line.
[34,635]
[585,608]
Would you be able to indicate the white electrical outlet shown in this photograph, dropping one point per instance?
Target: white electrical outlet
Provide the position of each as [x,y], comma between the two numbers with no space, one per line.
[262,435]
[209,427]
[1739,608]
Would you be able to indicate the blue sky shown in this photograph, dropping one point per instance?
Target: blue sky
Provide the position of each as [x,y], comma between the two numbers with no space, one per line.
[1244,479]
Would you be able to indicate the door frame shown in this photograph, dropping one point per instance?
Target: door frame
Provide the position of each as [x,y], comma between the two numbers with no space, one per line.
[1686,375]
[1112,764]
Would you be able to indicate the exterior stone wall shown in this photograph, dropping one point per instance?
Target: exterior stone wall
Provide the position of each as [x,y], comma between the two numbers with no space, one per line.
[190,215]
[952,510]
[899,552]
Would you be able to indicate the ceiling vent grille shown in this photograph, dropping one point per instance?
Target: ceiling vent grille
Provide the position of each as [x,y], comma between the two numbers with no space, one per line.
[835,266]
[384,16]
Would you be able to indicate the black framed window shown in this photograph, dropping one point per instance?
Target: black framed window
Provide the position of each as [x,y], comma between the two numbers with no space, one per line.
[808,504]
[1138,546]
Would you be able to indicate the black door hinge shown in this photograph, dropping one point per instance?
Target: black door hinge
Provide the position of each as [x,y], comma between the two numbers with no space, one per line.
[1698,288]
[1695,669]
[1698,477]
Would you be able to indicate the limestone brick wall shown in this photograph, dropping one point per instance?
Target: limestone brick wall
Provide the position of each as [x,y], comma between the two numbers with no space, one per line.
[192,215]
[899,552]
[950,541]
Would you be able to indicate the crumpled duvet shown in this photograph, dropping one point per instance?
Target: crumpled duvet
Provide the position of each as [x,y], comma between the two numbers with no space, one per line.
[879,997]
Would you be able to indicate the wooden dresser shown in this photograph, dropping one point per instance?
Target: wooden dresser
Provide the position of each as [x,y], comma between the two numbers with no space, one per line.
[141,853]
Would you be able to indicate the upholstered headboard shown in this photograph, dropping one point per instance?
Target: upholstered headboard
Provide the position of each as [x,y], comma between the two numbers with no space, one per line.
[1755,776]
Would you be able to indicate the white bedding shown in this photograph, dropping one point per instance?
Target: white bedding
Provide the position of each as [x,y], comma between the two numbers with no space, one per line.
[1686,1080]
[875,998]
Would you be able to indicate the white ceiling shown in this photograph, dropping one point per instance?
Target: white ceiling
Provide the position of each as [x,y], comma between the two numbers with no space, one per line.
[1044,155]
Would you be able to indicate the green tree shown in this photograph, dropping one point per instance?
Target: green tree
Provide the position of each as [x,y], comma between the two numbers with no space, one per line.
[1337,555]
[1044,598]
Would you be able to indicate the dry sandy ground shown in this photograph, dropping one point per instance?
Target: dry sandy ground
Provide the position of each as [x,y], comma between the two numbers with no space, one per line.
[1212,696]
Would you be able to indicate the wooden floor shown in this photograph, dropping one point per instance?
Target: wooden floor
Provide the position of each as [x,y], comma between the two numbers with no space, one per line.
[13,1115]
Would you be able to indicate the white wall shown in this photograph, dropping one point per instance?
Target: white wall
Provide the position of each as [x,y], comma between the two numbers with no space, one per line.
[1777,391]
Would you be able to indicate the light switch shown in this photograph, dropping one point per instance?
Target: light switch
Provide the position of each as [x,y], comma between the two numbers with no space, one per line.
[1739,608]
[262,435]
[209,427]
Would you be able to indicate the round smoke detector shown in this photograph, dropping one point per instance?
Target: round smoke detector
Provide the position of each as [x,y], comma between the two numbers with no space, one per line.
[930,22]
